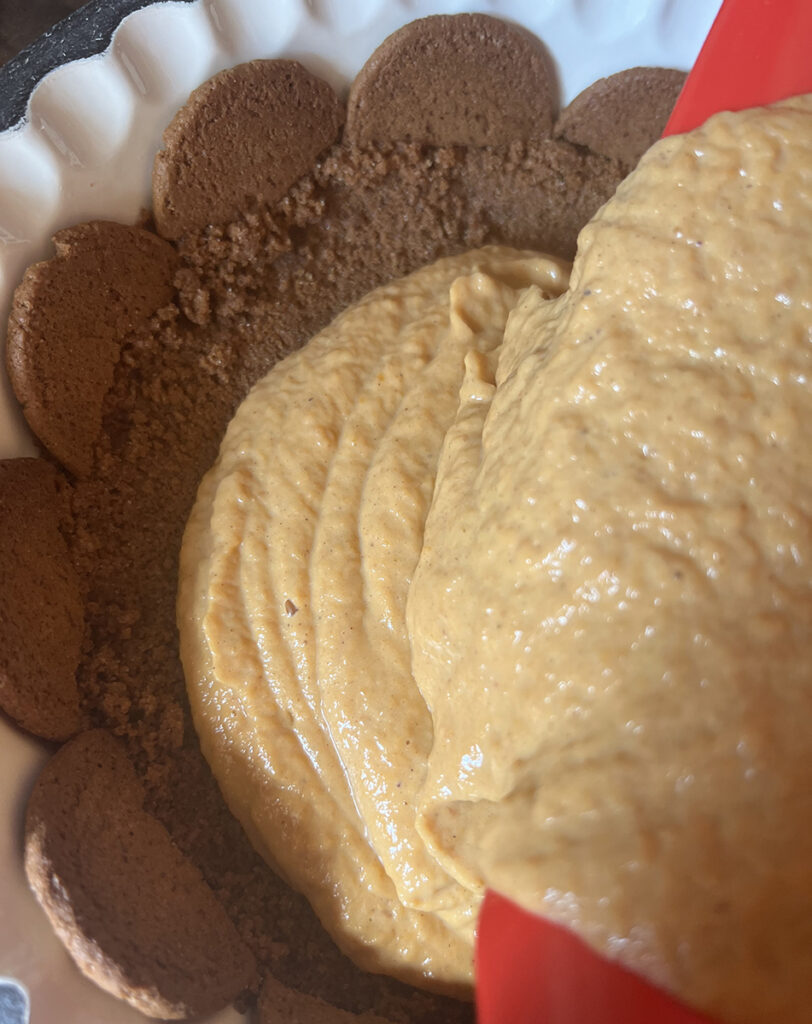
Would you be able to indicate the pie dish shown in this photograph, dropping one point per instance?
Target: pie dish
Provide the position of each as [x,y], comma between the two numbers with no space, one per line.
[85,150]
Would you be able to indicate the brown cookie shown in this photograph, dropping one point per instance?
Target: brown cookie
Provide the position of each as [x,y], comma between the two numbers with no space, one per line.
[134,913]
[278,1004]
[67,320]
[41,609]
[464,79]
[243,137]
[622,115]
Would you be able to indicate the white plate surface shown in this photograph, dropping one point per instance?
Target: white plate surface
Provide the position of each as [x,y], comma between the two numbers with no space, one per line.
[85,150]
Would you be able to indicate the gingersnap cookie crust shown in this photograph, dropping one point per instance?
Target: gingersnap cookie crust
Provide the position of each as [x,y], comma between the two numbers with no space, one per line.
[202,320]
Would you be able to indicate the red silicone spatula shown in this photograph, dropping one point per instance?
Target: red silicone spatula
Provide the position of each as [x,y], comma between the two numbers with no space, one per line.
[530,971]
[757,52]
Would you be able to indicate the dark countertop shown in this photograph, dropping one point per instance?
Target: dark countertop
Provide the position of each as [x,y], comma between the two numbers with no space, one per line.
[21,21]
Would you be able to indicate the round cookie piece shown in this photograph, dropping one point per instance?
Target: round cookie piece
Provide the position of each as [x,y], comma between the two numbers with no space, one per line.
[463,79]
[244,136]
[278,1003]
[41,608]
[68,318]
[134,913]
[622,115]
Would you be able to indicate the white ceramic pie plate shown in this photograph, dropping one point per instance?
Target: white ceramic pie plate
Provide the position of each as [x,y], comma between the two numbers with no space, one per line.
[85,150]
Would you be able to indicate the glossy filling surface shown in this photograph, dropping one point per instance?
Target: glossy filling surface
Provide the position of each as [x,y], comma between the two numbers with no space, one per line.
[489,587]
